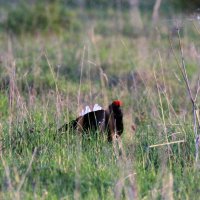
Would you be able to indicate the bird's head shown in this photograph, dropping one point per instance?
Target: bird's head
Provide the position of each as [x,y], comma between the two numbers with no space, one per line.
[117,103]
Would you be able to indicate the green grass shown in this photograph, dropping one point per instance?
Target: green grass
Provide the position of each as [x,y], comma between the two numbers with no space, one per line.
[65,163]
[45,73]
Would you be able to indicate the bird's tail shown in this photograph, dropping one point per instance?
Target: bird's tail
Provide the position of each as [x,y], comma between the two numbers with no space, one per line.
[63,128]
[71,125]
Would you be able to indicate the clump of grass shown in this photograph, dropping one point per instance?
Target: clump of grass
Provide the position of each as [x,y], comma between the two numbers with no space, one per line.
[40,17]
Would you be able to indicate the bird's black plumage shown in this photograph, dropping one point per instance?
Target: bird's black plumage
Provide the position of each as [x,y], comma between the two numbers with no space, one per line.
[108,121]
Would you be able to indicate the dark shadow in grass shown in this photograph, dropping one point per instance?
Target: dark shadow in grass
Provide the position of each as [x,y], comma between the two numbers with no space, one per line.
[62,183]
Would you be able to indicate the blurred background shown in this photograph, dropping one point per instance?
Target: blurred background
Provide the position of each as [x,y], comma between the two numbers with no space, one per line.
[96,49]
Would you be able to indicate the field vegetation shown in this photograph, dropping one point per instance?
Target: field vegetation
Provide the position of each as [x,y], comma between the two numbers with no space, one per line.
[56,58]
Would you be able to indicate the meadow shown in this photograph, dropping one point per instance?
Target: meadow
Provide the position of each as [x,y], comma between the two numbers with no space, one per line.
[54,62]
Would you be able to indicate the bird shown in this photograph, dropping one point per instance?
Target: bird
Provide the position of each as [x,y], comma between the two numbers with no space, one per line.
[107,121]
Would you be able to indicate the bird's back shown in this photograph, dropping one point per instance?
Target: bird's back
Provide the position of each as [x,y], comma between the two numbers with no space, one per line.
[94,120]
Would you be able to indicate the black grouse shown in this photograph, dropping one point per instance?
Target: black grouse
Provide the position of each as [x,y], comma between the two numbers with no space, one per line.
[109,121]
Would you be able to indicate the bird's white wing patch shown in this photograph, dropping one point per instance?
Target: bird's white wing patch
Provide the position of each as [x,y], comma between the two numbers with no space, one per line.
[97,107]
[87,109]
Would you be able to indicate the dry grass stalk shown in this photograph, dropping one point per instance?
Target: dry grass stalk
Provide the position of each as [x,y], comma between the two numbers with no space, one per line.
[27,170]
[167,189]
[7,173]
[155,14]
[80,83]
[166,143]
[130,189]
[58,97]
[193,98]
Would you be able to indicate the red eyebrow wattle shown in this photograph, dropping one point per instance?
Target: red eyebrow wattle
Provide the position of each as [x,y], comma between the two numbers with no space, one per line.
[117,103]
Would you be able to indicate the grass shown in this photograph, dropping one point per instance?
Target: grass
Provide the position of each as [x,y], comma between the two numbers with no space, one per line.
[40,86]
